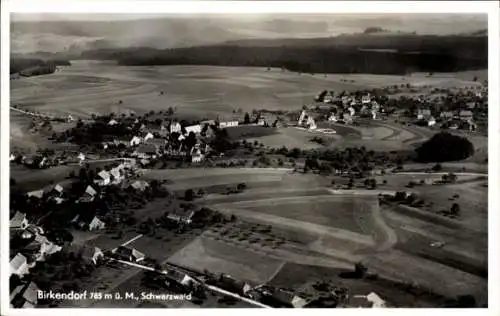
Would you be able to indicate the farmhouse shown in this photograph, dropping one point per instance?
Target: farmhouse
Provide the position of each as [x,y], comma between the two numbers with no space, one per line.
[88,221]
[19,221]
[40,247]
[332,117]
[193,128]
[471,105]
[58,189]
[423,114]
[81,157]
[129,254]
[19,265]
[177,278]
[175,127]
[197,156]
[89,195]
[112,122]
[181,215]
[228,124]
[370,300]
[103,178]
[465,115]
[228,283]
[288,299]
[26,296]
[446,115]
[140,185]
[89,254]
[136,140]
[301,118]
[148,136]
[366,99]
[431,121]
[37,194]
[146,151]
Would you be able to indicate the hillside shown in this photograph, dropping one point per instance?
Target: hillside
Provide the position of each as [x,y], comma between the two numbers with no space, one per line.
[362,53]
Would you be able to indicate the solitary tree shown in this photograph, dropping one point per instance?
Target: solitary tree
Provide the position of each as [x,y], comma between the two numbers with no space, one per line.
[189,195]
[360,270]
[455,209]
[247,118]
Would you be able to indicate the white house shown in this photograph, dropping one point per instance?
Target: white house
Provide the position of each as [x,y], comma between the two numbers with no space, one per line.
[301,117]
[351,110]
[12,157]
[332,118]
[148,136]
[136,140]
[112,122]
[103,178]
[116,174]
[19,265]
[19,221]
[95,224]
[175,127]
[377,301]
[193,128]
[366,99]
[228,124]
[197,156]
[81,157]
[431,121]
[38,194]
[140,185]
[311,124]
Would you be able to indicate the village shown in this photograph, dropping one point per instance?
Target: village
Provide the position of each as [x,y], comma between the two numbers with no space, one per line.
[106,185]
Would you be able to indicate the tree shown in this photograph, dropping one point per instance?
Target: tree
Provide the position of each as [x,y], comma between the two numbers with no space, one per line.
[189,195]
[247,118]
[241,186]
[455,209]
[360,270]
[437,167]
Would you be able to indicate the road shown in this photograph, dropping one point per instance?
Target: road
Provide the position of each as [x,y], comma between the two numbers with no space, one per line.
[465,174]
[210,287]
[164,272]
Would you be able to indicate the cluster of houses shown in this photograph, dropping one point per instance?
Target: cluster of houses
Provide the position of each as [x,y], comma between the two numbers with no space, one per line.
[450,119]
[42,161]
[344,106]
[33,247]
[166,141]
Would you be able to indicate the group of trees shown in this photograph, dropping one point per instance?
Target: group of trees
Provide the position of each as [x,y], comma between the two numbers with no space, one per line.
[443,147]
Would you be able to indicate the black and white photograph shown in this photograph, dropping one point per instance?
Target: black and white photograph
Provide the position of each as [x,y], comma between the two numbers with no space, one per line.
[247,160]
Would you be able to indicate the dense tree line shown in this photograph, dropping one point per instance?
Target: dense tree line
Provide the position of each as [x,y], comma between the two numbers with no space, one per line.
[348,54]
[33,67]
[310,59]
[444,147]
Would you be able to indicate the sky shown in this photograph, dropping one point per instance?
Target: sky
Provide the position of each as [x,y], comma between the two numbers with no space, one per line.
[155,30]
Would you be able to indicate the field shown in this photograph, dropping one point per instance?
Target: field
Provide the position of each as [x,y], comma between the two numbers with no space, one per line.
[89,87]
[322,210]
[218,257]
